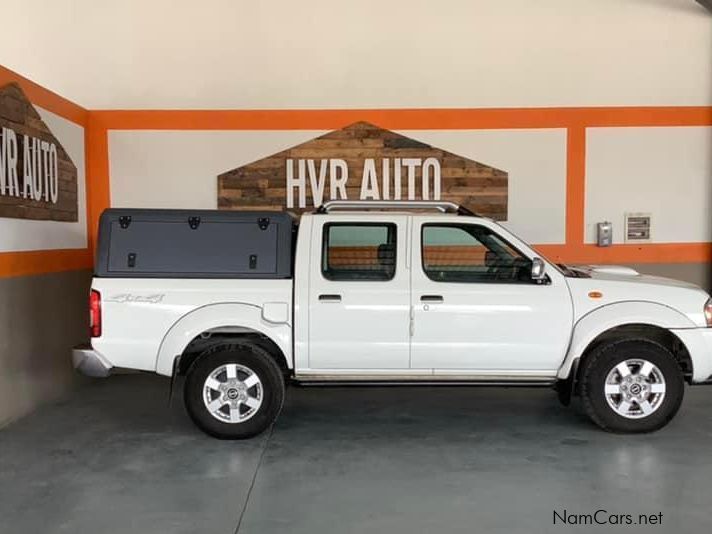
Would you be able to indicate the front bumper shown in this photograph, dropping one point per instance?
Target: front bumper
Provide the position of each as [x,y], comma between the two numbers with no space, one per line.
[89,362]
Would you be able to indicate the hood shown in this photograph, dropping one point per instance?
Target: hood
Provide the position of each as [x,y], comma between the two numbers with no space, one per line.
[621,273]
[618,284]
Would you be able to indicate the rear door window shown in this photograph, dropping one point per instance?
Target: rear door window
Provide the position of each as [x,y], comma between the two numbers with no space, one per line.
[353,252]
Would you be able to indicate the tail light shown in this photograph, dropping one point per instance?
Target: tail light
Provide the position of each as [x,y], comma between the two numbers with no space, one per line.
[95,313]
[708,312]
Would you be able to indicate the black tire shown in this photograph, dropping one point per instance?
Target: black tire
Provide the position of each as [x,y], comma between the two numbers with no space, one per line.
[271,388]
[594,372]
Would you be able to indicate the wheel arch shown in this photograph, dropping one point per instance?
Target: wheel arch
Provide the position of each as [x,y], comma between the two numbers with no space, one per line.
[628,319]
[224,322]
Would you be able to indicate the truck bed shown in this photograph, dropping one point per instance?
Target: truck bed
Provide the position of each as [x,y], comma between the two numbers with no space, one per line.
[140,313]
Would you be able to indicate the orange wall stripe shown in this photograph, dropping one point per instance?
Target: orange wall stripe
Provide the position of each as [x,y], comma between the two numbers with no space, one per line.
[649,253]
[404,119]
[619,117]
[43,261]
[575,184]
[45,98]
[626,253]
[98,184]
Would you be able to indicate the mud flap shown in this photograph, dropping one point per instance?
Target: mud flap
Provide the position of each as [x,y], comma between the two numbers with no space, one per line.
[565,388]
[174,377]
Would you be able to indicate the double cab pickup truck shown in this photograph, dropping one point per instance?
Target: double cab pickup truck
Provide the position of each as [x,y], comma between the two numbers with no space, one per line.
[239,304]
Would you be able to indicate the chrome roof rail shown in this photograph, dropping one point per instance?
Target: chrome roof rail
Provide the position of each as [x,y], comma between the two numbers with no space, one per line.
[443,206]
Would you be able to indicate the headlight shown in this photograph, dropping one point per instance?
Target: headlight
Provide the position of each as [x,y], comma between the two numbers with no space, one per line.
[708,312]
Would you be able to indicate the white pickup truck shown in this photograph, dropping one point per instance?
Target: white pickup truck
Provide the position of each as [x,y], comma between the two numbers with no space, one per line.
[381,293]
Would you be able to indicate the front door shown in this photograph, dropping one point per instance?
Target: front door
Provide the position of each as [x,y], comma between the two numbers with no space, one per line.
[359,295]
[476,307]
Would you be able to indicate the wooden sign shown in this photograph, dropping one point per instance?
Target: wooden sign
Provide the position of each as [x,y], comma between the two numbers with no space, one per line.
[363,162]
[38,180]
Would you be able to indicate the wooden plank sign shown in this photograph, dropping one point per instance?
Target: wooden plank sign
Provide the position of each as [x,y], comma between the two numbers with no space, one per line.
[363,162]
[38,179]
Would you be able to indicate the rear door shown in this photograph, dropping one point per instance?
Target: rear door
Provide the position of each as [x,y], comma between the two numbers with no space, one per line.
[359,295]
[476,308]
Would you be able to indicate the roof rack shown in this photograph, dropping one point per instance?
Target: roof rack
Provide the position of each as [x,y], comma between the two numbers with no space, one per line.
[443,206]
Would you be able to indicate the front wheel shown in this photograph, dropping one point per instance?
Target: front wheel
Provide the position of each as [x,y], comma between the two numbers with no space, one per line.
[234,392]
[633,386]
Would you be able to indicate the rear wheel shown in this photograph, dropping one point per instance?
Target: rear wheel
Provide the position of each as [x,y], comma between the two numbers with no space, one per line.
[633,385]
[234,392]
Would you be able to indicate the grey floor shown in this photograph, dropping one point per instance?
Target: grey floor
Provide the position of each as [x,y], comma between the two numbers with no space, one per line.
[114,458]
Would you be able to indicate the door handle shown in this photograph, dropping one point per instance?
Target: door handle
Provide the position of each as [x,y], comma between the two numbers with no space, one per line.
[329,298]
[432,298]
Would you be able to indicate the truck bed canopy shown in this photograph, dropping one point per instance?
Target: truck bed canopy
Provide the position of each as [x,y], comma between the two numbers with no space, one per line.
[166,243]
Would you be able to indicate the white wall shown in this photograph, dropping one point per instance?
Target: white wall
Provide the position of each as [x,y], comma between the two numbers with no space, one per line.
[24,234]
[179,169]
[536,163]
[663,171]
[369,53]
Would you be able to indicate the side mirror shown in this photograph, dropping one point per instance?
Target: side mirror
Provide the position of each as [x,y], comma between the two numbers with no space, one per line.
[538,269]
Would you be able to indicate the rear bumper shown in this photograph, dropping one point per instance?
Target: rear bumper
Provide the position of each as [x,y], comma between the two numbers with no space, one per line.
[699,344]
[89,362]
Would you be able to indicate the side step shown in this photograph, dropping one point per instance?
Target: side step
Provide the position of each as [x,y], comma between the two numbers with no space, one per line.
[410,383]
[358,381]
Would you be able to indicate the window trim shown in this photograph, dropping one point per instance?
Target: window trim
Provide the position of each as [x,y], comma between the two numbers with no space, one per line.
[462,226]
[391,226]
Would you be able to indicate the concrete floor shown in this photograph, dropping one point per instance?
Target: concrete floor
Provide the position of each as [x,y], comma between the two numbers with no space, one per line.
[114,459]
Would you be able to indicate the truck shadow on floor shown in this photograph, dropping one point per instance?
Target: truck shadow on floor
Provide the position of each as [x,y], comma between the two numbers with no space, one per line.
[139,404]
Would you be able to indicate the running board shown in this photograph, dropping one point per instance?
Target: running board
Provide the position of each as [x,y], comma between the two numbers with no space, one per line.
[410,383]
[422,381]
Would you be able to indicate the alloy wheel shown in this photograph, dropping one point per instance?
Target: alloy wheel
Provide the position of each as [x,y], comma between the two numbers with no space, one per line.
[635,388]
[233,393]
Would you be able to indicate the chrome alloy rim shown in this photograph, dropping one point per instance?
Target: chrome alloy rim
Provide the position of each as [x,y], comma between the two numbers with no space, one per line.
[635,388]
[232,393]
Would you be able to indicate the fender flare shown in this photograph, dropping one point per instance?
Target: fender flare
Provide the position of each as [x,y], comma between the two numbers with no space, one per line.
[605,318]
[229,314]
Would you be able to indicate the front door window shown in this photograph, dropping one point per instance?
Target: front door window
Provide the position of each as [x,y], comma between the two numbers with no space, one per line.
[471,254]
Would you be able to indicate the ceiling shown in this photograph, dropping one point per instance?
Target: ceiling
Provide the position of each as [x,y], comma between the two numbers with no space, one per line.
[371,53]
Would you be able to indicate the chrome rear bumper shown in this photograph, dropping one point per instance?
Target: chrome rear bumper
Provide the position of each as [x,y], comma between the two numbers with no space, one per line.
[89,362]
